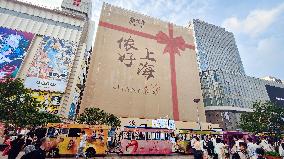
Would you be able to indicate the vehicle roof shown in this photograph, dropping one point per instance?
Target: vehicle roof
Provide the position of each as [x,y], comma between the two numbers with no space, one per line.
[80,126]
[146,129]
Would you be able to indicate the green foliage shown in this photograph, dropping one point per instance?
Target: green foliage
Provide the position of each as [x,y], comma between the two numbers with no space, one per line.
[267,117]
[95,116]
[19,108]
[272,153]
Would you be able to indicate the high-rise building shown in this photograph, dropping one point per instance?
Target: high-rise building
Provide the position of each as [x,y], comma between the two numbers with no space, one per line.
[227,90]
[48,49]
[217,49]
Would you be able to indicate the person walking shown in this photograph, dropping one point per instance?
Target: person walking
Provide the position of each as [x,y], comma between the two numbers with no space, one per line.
[82,145]
[16,147]
[259,153]
[266,145]
[198,153]
[210,147]
[219,149]
[39,153]
[251,148]
[243,153]
[281,148]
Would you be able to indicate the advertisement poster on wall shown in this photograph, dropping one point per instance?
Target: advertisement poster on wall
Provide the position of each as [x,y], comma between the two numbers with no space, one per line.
[50,101]
[13,49]
[276,94]
[74,104]
[51,66]
[143,65]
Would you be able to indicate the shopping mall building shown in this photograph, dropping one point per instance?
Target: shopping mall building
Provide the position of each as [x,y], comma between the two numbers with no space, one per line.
[139,68]
[227,90]
[47,48]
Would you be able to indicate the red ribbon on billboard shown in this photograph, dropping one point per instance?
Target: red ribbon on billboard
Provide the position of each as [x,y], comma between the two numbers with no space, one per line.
[173,46]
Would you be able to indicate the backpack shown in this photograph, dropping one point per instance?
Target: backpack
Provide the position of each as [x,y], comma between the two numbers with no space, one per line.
[29,149]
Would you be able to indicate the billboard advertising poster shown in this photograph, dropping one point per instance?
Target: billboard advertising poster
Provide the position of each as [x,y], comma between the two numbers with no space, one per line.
[13,49]
[276,94]
[142,67]
[51,66]
[74,104]
[50,101]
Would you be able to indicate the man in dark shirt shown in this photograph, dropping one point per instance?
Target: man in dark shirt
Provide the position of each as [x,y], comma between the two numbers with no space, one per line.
[16,147]
[39,153]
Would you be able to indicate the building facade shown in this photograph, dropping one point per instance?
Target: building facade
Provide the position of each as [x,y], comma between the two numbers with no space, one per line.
[48,49]
[136,73]
[227,90]
[216,48]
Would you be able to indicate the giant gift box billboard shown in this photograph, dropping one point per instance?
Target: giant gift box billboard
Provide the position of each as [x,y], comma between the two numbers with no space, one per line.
[142,67]
[13,49]
[51,66]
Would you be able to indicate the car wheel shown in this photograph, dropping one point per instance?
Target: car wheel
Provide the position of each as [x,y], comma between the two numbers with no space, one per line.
[90,152]
[54,153]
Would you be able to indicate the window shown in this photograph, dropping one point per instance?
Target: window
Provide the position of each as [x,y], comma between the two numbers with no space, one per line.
[148,136]
[126,135]
[50,131]
[64,131]
[142,136]
[162,137]
[156,135]
[74,132]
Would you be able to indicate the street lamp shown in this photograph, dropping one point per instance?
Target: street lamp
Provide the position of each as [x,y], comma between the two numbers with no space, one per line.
[197,111]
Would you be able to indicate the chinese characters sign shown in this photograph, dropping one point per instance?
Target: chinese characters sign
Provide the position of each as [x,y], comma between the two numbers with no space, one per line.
[13,49]
[129,53]
[51,66]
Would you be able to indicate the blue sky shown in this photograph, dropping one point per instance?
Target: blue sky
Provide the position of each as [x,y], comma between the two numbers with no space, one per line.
[258,25]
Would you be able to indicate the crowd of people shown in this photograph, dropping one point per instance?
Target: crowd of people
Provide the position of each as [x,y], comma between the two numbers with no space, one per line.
[35,143]
[32,141]
[213,147]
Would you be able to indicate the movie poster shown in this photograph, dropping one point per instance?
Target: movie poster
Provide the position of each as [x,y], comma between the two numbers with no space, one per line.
[13,49]
[50,101]
[143,67]
[51,66]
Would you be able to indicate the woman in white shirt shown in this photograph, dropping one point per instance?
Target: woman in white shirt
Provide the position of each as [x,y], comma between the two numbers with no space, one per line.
[281,149]
[219,149]
[198,151]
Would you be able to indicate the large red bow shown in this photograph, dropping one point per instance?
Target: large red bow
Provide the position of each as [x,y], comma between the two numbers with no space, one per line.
[175,44]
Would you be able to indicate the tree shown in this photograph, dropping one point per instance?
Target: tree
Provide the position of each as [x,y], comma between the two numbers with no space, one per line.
[266,117]
[95,116]
[19,108]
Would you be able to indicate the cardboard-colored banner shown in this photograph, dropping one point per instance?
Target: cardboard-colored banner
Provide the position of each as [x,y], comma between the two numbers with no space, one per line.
[143,67]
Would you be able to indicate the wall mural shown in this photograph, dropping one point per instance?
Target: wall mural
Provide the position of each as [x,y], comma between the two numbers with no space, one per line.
[50,101]
[74,104]
[51,65]
[13,49]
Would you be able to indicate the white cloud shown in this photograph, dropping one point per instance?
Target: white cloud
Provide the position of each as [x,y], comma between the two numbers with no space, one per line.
[256,21]
[264,58]
[176,11]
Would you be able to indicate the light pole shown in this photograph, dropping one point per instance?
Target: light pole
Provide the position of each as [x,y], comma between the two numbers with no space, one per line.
[197,111]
